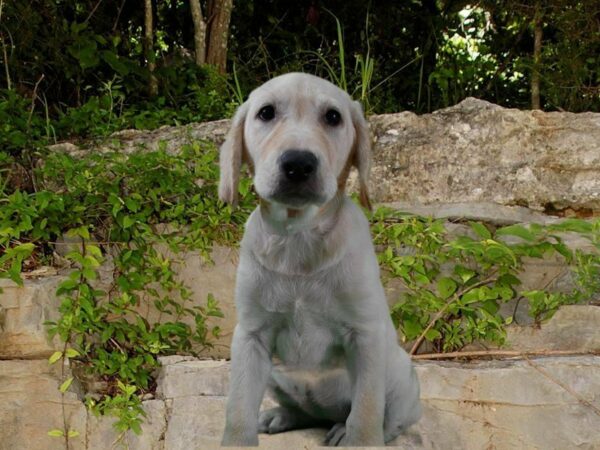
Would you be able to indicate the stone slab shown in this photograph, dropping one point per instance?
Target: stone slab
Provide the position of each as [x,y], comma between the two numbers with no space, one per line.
[193,378]
[573,327]
[23,311]
[496,404]
[30,406]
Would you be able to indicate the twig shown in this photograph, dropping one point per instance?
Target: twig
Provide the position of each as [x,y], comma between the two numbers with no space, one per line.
[92,12]
[33,98]
[551,281]
[4,53]
[579,398]
[118,15]
[441,312]
[501,354]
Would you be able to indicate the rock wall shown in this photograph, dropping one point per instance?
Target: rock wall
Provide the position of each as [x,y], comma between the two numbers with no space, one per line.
[474,151]
[480,152]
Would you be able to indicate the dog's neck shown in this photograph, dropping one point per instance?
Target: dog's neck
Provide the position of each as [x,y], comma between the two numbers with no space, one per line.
[283,220]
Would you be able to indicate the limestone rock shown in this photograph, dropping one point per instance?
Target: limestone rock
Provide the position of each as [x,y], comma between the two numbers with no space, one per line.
[193,378]
[479,152]
[494,404]
[204,278]
[573,327]
[508,404]
[488,212]
[197,422]
[23,311]
[30,406]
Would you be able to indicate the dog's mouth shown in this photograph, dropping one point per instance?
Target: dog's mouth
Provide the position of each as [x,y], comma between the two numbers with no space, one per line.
[298,196]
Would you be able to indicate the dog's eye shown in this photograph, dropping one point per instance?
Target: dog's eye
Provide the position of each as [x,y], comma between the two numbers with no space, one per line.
[266,113]
[333,117]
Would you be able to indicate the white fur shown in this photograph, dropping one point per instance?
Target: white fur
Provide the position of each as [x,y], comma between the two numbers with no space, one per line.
[308,290]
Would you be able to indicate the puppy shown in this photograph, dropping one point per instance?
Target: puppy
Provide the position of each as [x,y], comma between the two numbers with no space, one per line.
[308,291]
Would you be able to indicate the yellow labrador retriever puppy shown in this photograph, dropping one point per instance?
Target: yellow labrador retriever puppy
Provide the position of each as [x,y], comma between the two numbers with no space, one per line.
[308,292]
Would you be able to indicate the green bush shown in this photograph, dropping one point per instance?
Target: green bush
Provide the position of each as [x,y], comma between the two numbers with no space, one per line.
[456,285]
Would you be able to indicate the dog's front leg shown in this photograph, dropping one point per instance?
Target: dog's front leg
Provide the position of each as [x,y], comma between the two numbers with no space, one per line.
[366,365]
[250,370]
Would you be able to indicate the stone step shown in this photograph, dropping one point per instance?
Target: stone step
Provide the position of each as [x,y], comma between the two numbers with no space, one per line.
[537,403]
[496,404]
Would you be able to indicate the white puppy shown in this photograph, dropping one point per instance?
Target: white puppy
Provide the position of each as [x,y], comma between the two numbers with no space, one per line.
[308,290]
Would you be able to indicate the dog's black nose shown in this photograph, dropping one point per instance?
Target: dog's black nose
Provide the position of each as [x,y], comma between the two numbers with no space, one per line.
[298,165]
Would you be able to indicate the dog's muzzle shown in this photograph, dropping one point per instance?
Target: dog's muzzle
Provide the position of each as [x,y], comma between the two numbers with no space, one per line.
[298,181]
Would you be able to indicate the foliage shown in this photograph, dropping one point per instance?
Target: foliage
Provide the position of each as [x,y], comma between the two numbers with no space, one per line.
[25,125]
[455,285]
[141,211]
[78,68]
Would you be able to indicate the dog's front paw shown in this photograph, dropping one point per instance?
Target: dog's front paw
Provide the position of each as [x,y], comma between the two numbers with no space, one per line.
[336,435]
[276,420]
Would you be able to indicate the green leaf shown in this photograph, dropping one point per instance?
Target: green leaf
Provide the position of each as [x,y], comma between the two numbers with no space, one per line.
[516,230]
[128,221]
[446,287]
[23,250]
[575,225]
[66,384]
[54,357]
[73,433]
[94,250]
[432,334]
[56,433]
[411,329]
[464,273]
[113,60]
[471,296]
[481,230]
[72,353]
[89,274]
[82,232]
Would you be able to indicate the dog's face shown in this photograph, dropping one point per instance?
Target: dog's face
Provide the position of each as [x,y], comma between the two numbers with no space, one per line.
[300,134]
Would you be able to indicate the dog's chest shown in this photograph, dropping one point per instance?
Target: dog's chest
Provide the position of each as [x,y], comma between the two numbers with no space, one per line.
[306,339]
[306,333]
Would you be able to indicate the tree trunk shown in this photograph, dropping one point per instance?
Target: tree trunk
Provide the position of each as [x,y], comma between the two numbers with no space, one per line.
[149,47]
[199,32]
[219,14]
[537,53]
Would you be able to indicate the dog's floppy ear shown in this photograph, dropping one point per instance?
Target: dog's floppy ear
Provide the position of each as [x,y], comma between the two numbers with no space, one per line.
[362,153]
[230,159]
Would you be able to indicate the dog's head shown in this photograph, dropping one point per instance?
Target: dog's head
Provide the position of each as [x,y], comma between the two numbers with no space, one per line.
[300,135]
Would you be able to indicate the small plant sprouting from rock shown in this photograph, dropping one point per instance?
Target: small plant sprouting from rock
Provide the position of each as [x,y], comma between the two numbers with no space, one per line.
[456,285]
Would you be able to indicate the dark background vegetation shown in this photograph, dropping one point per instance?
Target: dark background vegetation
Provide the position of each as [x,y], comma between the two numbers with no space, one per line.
[77,68]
